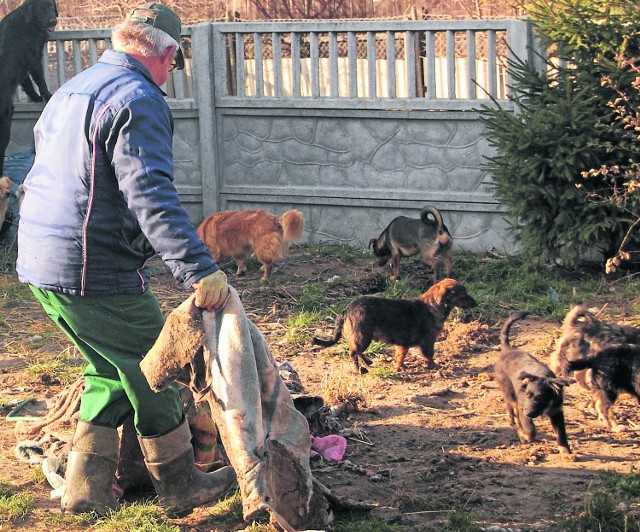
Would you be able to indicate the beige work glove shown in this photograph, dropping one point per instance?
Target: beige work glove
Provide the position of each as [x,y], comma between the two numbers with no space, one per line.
[211,291]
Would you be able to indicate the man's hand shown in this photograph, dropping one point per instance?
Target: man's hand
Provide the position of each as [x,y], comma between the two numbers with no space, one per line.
[212,290]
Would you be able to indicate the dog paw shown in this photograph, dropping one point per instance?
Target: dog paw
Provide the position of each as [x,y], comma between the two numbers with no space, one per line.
[566,454]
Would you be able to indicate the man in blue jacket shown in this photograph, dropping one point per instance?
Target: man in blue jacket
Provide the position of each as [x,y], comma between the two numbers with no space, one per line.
[99,200]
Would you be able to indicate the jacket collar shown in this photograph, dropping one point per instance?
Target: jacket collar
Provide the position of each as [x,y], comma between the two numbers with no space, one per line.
[112,57]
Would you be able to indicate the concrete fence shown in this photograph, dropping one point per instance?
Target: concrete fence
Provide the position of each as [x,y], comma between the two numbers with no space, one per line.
[353,122]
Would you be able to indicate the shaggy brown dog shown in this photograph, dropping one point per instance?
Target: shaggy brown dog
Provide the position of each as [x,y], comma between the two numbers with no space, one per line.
[530,390]
[237,234]
[615,369]
[404,237]
[584,335]
[5,196]
[403,322]
[23,34]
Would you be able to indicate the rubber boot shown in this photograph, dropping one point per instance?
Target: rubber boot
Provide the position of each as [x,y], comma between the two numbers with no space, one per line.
[180,485]
[91,468]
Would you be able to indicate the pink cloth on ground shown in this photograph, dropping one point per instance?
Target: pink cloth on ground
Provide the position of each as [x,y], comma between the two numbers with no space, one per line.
[332,447]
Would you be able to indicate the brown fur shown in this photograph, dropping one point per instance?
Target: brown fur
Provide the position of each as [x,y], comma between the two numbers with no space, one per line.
[405,237]
[403,322]
[530,389]
[5,196]
[583,336]
[238,234]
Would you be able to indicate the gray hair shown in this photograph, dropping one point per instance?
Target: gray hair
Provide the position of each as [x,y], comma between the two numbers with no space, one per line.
[141,38]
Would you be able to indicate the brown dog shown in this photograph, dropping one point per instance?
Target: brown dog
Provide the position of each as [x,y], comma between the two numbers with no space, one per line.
[530,390]
[403,322]
[238,234]
[404,237]
[583,336]
[5,196]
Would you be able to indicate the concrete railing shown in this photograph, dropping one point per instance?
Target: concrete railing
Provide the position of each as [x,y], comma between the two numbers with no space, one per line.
[354,122]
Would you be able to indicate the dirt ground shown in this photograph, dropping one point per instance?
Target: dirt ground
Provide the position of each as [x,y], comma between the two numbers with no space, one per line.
[420,443]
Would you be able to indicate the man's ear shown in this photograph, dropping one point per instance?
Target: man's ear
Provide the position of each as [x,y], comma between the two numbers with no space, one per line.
[167,55]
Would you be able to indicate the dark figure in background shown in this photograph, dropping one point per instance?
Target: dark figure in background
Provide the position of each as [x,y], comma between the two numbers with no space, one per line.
[23,35]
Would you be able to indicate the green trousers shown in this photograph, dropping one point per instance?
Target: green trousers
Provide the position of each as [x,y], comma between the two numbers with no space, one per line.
[113,333]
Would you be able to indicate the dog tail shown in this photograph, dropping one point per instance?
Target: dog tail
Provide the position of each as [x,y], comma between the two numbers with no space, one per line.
[292,225]
[428,210]
[576,313]
[337,333]
[577,365]
[506,327]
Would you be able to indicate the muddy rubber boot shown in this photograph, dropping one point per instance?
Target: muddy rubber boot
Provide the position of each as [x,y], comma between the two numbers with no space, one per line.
[179,484]
[91,469]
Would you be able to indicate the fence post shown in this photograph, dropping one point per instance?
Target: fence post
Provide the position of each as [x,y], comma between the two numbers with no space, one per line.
[518,43]
[203,68]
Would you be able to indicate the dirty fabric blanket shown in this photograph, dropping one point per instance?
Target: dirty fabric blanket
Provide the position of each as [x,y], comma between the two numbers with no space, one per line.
[223,356]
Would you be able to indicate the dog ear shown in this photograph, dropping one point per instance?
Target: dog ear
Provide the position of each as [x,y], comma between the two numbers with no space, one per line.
[525,378]
[558,383]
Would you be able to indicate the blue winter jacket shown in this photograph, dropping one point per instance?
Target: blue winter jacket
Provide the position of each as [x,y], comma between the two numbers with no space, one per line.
[101,182]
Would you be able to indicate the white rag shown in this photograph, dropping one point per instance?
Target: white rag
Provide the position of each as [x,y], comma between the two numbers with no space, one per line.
[223,356]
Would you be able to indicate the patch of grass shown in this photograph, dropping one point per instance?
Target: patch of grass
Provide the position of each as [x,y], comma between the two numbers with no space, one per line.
[494,281]
[461,521]
[231,507]
[299,327]
[602,513]
[384,372]
[38,476]
[13,505]
[138,517]
[400,289]
[62,369]
[370,524]
[260,527]
[626,485]
[377,348]
[312,297]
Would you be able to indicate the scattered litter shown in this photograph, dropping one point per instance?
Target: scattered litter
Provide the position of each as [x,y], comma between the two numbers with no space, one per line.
[29,451]
[332,447]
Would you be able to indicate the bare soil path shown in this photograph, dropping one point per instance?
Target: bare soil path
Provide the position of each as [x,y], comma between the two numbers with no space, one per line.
[420,443]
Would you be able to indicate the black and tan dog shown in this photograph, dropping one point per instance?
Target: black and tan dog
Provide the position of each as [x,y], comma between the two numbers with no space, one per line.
[23,34]
[615,369]
[405,237]
[530,390]
[404,323]
[584,335]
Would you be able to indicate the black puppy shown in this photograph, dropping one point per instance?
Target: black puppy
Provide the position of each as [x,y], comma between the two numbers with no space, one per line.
[530,390]
[404,237]
[23,34]
[584,335]
[615,369]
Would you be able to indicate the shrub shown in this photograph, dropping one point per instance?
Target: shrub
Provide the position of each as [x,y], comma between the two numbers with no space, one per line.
[565,127]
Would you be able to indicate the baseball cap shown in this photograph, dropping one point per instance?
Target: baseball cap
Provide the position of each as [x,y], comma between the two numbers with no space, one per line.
[161,17]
